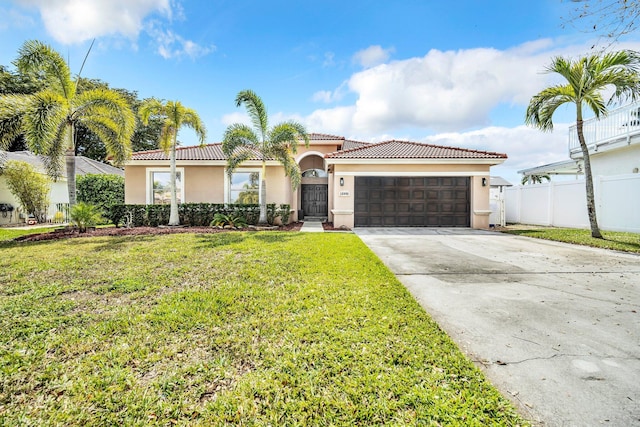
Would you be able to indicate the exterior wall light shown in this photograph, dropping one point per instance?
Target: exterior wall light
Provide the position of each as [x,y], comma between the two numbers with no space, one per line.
[484,182]
[341,182]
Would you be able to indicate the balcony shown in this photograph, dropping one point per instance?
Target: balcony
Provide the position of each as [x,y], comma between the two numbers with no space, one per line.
[620,127]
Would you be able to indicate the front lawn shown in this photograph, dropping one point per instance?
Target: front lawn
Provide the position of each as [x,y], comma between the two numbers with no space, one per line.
[280,329]
[627,242]
[8,233]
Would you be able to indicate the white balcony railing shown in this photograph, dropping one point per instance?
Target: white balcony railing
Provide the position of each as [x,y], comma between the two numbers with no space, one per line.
[619,125]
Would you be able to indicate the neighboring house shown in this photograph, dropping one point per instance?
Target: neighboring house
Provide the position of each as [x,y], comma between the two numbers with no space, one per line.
[614,151]
[391,183]
[59,193]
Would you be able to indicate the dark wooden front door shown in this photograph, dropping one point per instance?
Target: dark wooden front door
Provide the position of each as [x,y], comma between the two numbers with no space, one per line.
[412,202]
[315,199]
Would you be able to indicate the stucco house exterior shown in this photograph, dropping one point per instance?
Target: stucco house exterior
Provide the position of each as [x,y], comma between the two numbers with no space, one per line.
[59,194]
[351,183]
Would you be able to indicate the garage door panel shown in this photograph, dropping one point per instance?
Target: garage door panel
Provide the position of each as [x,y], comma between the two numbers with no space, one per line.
[403,208]
[412,201]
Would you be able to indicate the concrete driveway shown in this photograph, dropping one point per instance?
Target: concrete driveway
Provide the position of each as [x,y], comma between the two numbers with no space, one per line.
[555,327]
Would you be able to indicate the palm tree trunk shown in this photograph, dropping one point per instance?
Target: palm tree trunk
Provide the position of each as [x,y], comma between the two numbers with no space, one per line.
[174,218]
[263,195]
[70,161]
[588,180]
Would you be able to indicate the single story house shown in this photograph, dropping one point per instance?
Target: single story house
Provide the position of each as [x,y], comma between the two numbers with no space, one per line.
[351,183]
[59,195]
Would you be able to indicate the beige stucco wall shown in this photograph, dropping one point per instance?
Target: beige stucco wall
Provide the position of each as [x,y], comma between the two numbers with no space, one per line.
[343,196]
[135,181]
[202,184]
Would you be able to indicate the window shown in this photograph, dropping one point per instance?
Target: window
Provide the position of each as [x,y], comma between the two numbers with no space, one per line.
[160,187]
[244,187]
[314,173]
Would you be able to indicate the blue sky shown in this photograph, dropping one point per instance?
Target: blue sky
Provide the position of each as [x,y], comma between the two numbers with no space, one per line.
[456,73]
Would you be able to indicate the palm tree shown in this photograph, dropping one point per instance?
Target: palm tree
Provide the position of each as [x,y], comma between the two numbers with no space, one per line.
[535,179]
[279,142]
[174,116]
[48,118]
[586,79]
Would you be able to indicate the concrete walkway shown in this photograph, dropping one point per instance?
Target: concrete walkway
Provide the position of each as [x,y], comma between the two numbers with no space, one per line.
[312,227]
[555,327]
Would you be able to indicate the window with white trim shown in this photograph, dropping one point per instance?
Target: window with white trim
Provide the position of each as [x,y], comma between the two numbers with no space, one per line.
[159,188]
[244,187]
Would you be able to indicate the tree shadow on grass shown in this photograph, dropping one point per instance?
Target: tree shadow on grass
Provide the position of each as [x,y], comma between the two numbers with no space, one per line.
[276,237]
[225,239]
[221,239]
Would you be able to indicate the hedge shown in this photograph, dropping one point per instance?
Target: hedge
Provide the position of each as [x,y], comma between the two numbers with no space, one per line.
[191,214]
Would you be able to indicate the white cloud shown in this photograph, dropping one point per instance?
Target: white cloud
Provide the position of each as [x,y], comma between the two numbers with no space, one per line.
[328,96]
[171,45]
[525,146]
[75,21]
[231,118]
[329,59]
[443,91]
[372,56]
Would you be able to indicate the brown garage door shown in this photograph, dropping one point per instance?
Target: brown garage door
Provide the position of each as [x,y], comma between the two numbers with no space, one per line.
[412,202]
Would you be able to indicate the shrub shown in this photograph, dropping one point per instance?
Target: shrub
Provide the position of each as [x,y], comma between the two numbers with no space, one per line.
[191,214]
[230,220]
[84,215]
[30,187]
[284,212]
[100,190]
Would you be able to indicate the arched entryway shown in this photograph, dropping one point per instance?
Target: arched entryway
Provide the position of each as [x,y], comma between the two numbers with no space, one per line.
[314,188]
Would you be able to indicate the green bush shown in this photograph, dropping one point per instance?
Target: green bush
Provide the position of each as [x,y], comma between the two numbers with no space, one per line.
[191,214]
[30,187]
[84,215]
[230,220]
[100,190]
[284,212]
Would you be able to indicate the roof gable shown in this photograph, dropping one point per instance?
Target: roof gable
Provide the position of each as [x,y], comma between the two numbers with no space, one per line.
[411,150]
[351,150]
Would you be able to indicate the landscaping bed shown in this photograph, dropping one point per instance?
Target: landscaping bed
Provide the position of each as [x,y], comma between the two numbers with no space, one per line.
[134,231]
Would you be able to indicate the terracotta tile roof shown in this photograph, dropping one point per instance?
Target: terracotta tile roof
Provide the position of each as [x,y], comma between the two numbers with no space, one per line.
[324,137]
[192,152]
[411,150]
[350,144]
[351,150]
[210,151]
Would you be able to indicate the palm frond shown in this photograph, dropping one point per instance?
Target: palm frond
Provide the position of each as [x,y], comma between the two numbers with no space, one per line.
[53,155]
[150,108]
[117,145]
[290,134]
[45,116]
[40,58]
[256,110]
[12,110]
[192,120]
[544,104]
[109,104]
[239,136]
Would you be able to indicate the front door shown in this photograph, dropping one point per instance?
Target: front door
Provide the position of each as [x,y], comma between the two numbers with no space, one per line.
[315,199]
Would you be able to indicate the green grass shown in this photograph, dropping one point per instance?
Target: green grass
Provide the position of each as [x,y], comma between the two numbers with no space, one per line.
[280,329]
[627,242]
[8,233]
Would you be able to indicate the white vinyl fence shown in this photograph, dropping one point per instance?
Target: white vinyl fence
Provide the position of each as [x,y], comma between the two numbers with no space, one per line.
[564,203]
